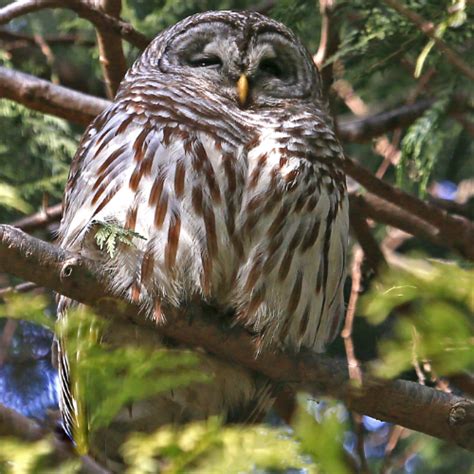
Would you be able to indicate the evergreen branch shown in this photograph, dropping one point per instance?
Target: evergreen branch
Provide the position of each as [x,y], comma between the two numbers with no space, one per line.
[417,407]
[82,8]
[429,30]
[41,95]
[111,54]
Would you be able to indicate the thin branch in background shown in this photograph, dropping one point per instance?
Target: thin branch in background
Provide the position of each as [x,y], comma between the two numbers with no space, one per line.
[49,55]
[39,219]
[429,30]
[17,40]
[382,146]
[353,364]
[6,338]
[328,43]
[396,433]
[373,254]
[83,9]
[20,288]
[112,58]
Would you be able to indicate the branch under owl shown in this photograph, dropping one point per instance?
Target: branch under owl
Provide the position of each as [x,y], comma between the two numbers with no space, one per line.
[402,402]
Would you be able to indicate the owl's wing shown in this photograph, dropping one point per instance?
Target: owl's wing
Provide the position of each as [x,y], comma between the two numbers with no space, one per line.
[101,171]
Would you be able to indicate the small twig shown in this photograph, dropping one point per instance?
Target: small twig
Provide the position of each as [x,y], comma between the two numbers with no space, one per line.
[395,434]
[429,30]
[20,288]
[49,55]
[328,43]
[40,219]
[355,373]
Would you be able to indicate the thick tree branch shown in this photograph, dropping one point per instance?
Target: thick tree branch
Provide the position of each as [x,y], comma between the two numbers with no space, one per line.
[43,96]
[84,9]
[111,54]
[420,408]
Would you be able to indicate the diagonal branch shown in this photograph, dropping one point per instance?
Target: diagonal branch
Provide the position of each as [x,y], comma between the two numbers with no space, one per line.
[111,54]
[43,96]
[454,231]
[406,403]
[84,9]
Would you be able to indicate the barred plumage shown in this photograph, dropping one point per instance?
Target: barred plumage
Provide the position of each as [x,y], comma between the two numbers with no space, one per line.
[235,191]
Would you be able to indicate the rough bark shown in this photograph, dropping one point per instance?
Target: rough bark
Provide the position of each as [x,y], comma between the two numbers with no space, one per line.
[406,403]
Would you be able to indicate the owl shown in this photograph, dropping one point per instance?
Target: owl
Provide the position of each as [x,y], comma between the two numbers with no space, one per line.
[219,151]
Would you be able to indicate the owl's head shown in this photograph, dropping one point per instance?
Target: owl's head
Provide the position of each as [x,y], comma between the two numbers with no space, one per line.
[244,57]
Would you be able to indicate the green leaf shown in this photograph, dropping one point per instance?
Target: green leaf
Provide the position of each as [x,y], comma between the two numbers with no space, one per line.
[432,304]
[10,197]
[108,234]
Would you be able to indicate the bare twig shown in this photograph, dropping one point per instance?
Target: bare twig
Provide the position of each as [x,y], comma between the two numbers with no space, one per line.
[430,30]
[39,219]
[84,9]
[111,54]
[355,373]
[328,43]
[409,404]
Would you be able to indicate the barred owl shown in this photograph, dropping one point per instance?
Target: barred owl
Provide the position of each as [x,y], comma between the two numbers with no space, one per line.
[218,149]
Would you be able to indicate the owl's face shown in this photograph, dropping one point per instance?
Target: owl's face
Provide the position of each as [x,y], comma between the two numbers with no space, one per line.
[244,57]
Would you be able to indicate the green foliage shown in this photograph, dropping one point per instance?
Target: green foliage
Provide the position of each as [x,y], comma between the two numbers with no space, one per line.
[109,235]
[108,378]
[10,197]
[433,304]
[20,457]
[205,447]
[420,147]
[31,308]
[35,152]
[321,435]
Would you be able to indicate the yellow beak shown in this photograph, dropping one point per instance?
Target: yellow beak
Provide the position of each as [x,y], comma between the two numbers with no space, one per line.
[243,89]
